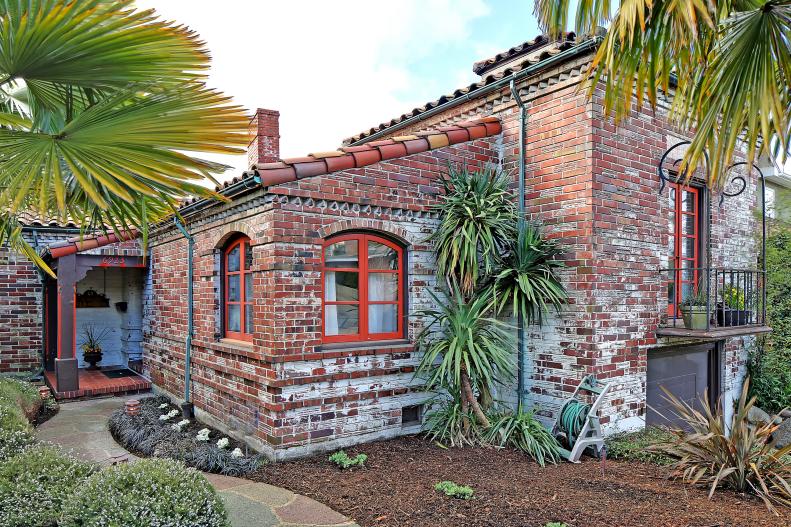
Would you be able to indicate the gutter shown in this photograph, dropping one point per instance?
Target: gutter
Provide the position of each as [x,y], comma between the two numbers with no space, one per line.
[579,49]
[520,327]
[187,408]
[230,191]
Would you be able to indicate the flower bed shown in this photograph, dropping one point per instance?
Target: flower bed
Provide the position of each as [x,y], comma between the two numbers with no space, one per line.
[160,431]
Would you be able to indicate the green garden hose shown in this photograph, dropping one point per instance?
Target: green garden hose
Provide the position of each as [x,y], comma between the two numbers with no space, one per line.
[572,418]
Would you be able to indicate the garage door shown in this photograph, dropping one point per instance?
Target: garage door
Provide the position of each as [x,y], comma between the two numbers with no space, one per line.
[686,372]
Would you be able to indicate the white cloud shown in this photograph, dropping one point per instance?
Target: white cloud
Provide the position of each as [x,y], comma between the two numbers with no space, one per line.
[332,69]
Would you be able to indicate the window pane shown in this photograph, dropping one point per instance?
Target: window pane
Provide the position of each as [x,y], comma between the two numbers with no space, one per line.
[233,259]
[383,318]
[248,319]
[341,254]
[248,256]
[380,256]
[341,286]
[688,247]
[234,317]
[383,286]
[688,224]
[233,288]
[341,320]
[248,287]
[688,201]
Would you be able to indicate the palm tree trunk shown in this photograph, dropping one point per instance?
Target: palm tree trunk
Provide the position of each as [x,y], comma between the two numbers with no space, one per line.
[467,393]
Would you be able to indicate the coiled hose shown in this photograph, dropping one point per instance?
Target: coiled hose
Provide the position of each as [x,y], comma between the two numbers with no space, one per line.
[572,418]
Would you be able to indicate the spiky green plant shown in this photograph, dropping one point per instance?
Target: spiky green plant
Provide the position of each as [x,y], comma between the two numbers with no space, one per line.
[528,282]
[101,110]
[731,453]
[525,433]
[477,221]
[727,65]
[450,423]
[465,348]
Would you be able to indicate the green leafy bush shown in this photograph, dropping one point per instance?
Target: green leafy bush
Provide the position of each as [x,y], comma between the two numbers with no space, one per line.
[555,524]
[36,483]
[734,454]
[145,493]
[635,446]
[525,433]
[343,460]
[13,442]
[449,488]
[449,424]
[22,394]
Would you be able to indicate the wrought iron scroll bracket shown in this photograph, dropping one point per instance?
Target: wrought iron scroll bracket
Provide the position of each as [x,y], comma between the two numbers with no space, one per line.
[739,179]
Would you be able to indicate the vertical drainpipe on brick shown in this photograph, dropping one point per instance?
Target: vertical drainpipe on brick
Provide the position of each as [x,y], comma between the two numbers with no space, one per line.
[187,409]
[520,331]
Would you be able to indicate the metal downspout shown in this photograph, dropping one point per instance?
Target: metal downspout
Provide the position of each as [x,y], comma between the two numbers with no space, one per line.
[187,409]
[520,325]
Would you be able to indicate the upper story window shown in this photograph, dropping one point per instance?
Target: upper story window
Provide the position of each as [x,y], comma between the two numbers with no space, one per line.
[685,235]
[238,289]
[363,295]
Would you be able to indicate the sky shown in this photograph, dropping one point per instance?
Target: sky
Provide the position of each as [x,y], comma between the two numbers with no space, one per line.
[335,68]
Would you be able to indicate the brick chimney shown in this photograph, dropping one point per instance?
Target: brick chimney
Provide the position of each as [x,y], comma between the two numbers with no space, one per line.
[264,134]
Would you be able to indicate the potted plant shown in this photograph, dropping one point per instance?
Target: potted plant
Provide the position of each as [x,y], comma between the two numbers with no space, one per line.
[92,344]
[731,311]
[693,309]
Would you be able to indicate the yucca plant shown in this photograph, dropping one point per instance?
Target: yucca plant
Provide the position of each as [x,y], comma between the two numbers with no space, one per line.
[525,433]
[731,454]
[101,107]
[465,348]
[527,282]
[452,423]
[477,221]
[727,65]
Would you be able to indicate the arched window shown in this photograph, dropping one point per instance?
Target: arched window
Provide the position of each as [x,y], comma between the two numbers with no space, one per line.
[363,293]
[238,289]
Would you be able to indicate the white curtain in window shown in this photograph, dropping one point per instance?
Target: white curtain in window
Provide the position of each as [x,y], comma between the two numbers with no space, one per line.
[382,318]
[330,312]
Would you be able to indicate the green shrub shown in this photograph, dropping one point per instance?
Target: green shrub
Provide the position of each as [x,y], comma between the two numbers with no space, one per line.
[145,493]
[12,418]
[555,524]
[523,432]
[36,483]
[634,446]
[449,488]
[343,460]
[20,393]
[12,442]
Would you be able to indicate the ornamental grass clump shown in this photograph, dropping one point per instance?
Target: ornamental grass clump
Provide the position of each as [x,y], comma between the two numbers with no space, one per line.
[35,485]
[149,492]
[525,433]
[734,454]
[145,434]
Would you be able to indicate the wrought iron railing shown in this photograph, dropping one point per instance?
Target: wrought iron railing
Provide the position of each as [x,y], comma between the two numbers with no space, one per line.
[712,297]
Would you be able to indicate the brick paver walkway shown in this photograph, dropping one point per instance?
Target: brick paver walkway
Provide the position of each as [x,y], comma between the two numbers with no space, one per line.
[82,428]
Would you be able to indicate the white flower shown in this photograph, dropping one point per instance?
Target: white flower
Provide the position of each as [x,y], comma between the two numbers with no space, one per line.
[181,424]
[203,435]
[163,417]
[163,406]
[170,415]
[237,452]
[223,443]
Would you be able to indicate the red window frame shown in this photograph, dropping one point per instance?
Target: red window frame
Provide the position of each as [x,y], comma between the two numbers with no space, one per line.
[242,242]
[362,300]
[678,238]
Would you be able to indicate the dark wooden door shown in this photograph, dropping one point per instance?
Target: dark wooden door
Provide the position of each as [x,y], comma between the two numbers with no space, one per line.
[687,372]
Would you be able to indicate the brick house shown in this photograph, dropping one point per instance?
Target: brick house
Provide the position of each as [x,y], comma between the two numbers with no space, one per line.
[303,282]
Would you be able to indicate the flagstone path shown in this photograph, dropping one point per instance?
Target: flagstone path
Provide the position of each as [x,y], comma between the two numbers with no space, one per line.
[81,427]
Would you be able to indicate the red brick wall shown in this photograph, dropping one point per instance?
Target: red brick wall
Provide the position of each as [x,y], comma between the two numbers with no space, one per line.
[20,314]
[286,390]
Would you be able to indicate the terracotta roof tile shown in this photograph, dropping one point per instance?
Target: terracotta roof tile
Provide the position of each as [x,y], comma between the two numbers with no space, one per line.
[320,163]
[86,243]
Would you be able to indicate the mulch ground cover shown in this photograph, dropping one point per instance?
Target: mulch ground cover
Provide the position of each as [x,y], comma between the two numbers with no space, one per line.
[396,489]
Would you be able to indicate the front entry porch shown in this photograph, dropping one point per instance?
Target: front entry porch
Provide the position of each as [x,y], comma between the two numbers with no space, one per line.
[99,296]
[97,382]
